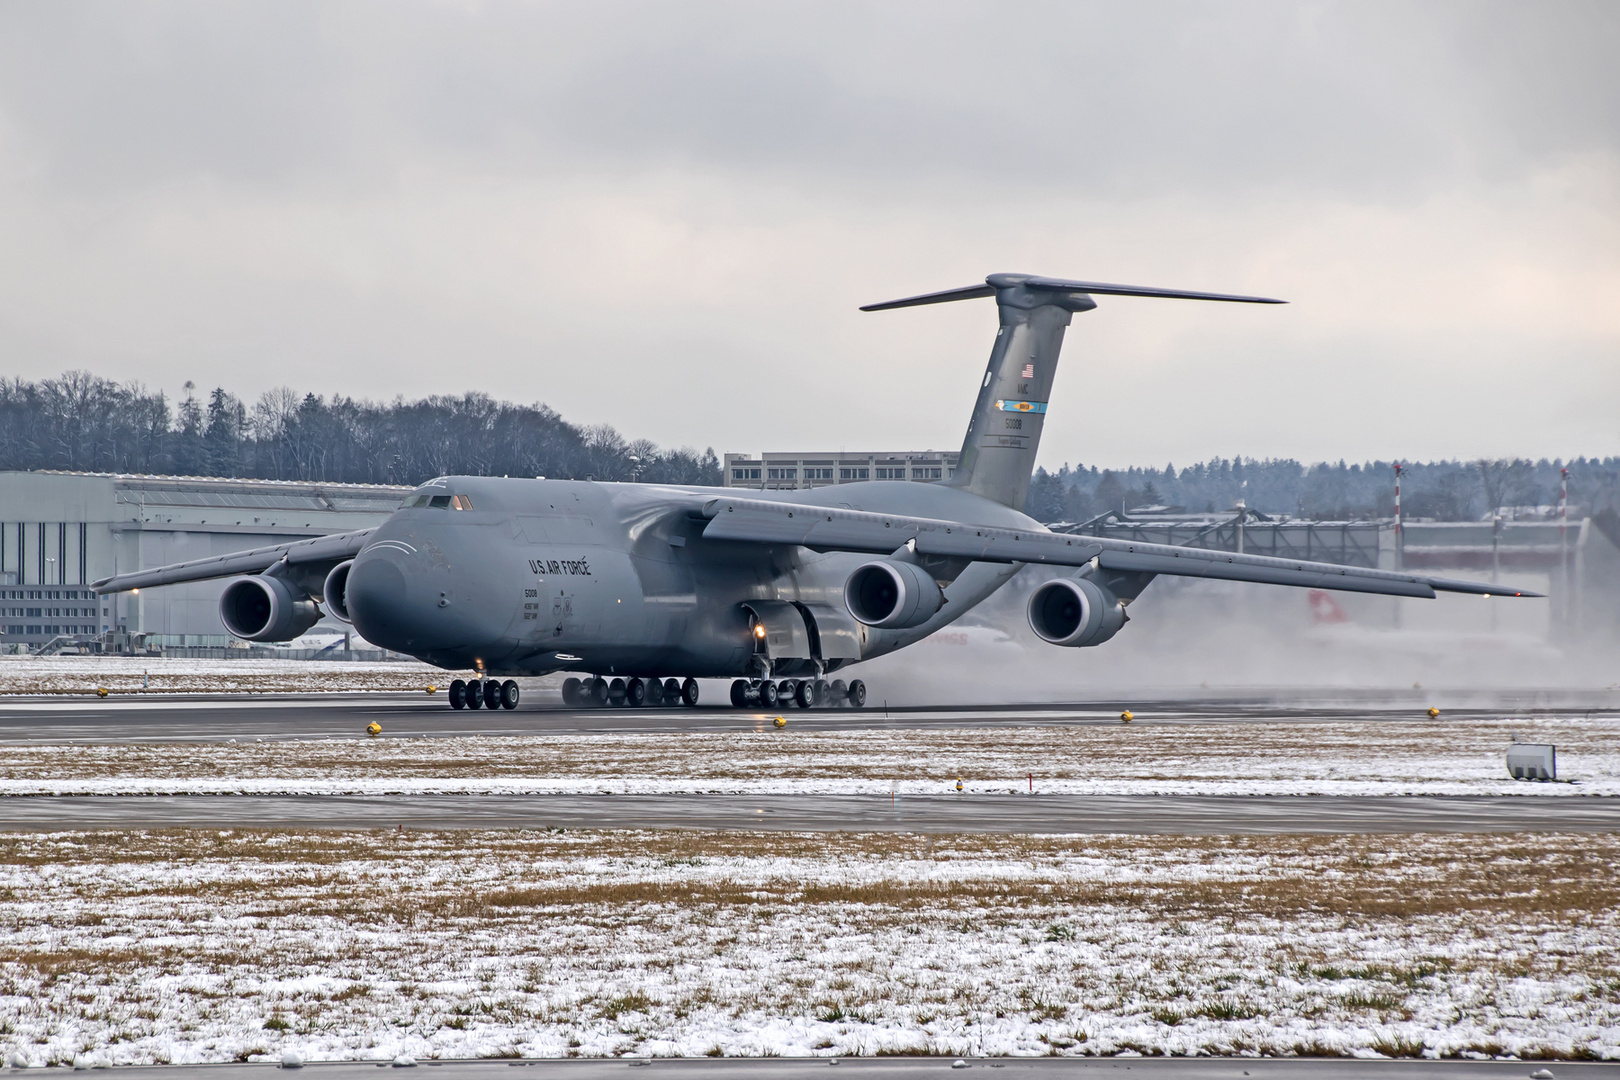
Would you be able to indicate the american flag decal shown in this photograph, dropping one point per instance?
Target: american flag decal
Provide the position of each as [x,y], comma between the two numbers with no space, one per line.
[1029,372]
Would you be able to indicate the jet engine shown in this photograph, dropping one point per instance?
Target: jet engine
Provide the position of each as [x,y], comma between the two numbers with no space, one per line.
[1075,612]
[265,609]
[892,595]
[335,591]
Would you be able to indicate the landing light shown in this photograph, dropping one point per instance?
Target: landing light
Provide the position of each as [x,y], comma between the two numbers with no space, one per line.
[759,631]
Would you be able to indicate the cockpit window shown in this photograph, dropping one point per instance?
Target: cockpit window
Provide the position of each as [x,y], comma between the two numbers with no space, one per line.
[414,500]
[439,502]
[461,502]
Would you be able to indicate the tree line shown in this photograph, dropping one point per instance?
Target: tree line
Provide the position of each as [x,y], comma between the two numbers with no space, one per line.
[83,423]
[1439,490]
[79,422]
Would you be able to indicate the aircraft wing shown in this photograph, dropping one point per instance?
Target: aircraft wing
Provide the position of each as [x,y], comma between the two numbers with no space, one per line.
[333,549]
[836,529]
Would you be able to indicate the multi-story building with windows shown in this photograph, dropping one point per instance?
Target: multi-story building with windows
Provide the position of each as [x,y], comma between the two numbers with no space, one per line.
[785,471]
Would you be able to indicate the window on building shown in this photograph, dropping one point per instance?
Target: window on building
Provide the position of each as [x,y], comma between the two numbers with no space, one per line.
[818,474]
[782,474]
[885,472]
[926,473]
[854,473]
[745,474]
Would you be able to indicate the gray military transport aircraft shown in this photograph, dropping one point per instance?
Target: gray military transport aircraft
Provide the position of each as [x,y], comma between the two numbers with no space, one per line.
[644,588]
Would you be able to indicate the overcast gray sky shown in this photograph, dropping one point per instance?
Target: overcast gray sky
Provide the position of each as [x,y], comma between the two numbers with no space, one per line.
[663,216]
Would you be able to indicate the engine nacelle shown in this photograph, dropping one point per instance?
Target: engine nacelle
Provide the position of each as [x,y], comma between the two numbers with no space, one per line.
[335,591]
[892,595]
[1075,612]
[265,609]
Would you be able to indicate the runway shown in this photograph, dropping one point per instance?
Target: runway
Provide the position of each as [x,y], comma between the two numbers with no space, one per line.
[205,718]
[1167,1068]
[1121,814]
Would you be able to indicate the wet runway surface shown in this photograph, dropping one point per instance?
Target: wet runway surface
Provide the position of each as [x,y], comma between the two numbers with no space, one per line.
[1122,814]
[203,718]
[1053,1067]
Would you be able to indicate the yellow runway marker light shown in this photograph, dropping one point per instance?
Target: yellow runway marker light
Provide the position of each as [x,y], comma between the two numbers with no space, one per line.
[374,729]
[780,721]
[958,783]
[1127,716]
[101,691]
[1433,712]
[432,689]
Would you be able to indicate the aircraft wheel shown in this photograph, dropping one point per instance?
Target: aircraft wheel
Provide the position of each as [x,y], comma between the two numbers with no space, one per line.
[616,692]
[785,691]
[573,691]
[492,694]
[509,694]
[635,693]
[767,694]
[458,694]
[838,694]
[689,692]
[599,691]
[739,694]
[475,694]
[655,692]
[805,694]
[857,693]
[672,691]
[821,693]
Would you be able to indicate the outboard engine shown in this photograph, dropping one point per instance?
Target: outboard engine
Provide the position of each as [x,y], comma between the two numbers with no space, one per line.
[265,609]
[1076,612]
[892,595]
[335,591]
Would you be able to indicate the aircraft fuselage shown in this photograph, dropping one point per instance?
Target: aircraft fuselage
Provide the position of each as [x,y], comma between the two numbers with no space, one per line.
[617,579]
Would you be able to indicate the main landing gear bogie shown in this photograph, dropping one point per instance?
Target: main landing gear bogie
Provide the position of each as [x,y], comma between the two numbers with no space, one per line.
[798,693]
[598,692]
[483,694]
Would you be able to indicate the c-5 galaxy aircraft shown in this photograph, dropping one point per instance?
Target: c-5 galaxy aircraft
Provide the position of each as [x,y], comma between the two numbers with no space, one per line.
[644,589]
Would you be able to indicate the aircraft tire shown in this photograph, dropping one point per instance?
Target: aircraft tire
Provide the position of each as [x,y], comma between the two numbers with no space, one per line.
[573,691]
[821,693]
[689,692]
[672,692]
[838,694]
[475,694]
[767,694]
[785,691]
[635,694]
[616,692]
[509,694]
[739,694]
[655,692]
[458,694]
[492,694]
[805,694]
[857,693]
[599,692]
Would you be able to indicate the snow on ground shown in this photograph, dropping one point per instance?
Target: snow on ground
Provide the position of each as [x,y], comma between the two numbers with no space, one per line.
[1335,757]
[127,674]
[192,946]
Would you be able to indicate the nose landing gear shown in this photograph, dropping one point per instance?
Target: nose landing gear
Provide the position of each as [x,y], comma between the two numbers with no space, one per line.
[486,693]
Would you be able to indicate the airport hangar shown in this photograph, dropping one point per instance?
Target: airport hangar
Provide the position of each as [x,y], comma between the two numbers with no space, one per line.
[59,531]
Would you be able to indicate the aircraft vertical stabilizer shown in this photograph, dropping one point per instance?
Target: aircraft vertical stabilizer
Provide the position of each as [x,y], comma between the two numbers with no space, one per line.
[998,452]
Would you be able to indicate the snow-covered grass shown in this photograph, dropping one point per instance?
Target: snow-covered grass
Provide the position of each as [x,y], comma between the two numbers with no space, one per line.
[128,674]
[193,946]
[1393,756]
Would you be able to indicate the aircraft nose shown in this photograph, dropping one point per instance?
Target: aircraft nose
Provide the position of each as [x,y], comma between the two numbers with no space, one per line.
[381,603]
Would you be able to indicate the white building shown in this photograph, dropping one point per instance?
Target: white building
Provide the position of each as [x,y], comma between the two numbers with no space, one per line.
[60,531]
[777,472]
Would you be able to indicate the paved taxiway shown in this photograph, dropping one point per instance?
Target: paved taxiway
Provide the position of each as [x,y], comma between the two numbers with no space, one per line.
[149,718]
[1126,814]
[897,1068]
[206,718]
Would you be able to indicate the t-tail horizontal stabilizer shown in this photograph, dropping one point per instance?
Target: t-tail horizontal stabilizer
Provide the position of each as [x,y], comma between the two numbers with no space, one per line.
[998,454]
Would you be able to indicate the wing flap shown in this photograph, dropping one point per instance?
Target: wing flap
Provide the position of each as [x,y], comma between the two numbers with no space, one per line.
[334,549]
